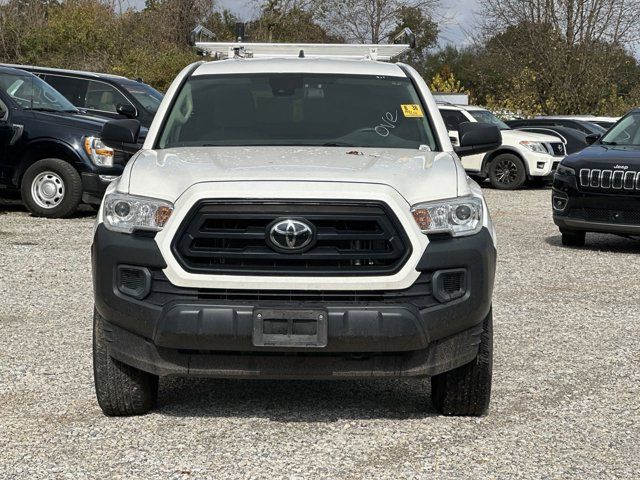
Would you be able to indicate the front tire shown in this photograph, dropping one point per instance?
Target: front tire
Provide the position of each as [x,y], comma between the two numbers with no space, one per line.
[507,172]
[51,188]
[573,238]
[466,390]
[121,389]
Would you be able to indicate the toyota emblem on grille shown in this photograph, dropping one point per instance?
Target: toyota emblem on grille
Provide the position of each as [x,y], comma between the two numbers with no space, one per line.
[290,235]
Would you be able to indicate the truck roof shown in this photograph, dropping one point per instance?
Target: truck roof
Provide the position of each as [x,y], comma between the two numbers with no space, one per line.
[299,65]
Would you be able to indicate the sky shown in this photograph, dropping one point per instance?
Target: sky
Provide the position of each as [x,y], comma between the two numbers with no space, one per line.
[457,25]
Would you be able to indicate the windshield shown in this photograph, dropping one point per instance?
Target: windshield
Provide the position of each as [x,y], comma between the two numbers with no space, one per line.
[148,97]
[625,132]
[32,93]
[298,110]
[485,116]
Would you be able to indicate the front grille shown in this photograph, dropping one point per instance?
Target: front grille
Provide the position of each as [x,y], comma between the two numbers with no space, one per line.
[231,237]
[610,180]
[606,215]
[420,294]
[557,149]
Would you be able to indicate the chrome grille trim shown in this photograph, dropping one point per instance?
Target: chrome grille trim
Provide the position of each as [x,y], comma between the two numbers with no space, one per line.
[609,179]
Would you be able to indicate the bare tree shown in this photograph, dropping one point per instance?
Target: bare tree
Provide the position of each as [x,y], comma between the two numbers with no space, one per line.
[579,21]
[369,21]
[547,49]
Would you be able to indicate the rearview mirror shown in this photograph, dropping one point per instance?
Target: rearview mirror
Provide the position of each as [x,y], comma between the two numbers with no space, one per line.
[592,138]
[121,135]
[126,109]
[477,138]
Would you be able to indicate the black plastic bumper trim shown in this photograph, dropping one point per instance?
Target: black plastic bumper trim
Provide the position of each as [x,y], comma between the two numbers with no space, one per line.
[381,328]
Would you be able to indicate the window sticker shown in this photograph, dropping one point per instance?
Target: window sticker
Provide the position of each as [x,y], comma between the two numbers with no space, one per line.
[411,110]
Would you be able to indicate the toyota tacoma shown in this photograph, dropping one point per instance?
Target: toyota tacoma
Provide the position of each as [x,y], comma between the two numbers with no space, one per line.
[296,212]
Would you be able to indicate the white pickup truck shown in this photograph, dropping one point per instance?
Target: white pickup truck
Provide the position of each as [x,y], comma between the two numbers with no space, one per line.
[296,211]
[522,156]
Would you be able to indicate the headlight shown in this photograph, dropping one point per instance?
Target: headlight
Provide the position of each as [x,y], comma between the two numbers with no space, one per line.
[98,152]
[458,217]
[565,171]
[127,213]
[535,146]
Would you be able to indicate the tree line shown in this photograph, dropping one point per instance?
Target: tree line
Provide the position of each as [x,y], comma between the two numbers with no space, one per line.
[529,57]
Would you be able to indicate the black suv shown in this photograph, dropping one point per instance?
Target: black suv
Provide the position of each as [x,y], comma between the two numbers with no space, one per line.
[49,149]
[102,94]
[598,188]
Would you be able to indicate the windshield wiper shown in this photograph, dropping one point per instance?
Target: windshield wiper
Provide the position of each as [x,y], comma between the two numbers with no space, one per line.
[338,144]
[45,109]
[609,143]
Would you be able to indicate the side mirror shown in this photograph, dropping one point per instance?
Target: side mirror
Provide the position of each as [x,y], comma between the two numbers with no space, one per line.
[477,138]
[126,109]
[592,138]
[121,135]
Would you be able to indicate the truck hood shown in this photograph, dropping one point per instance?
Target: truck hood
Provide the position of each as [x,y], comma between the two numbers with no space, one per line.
[417,175]
[516,136]
[77,121]
[605,157]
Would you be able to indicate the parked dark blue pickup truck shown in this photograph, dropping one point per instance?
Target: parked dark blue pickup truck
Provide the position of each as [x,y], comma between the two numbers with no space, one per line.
[49,149]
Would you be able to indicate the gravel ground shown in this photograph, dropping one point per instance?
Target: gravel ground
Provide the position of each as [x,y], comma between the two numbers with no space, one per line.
[566,398]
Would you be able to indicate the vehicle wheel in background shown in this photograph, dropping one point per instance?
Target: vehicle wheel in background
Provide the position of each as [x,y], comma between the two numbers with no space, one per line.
[507,172]
[51,188]
[121,390]
[573,238]
[466,391]
[540,182]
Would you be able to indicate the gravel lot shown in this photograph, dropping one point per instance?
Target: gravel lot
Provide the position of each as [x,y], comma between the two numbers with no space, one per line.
[566,398]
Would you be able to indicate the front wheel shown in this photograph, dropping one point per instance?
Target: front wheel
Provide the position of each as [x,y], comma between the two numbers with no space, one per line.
[51,188]
[507,172]
[120,389]
[572,238]
[466,390]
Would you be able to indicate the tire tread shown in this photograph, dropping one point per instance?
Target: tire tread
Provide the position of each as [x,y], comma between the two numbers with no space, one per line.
[466,390]
[121,389]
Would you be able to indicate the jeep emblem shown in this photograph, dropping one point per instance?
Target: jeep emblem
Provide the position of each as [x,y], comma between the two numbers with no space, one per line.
[621,167]
[290,235]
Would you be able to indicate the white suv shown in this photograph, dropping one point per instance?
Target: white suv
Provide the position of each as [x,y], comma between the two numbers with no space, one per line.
[522,156]
[295,218]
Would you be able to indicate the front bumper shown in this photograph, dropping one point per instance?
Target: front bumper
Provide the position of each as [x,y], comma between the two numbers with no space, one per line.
[94,185]
[188,331]
[541,165]
[615,212]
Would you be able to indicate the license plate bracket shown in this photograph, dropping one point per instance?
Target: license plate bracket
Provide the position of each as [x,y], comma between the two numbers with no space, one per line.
[290,328]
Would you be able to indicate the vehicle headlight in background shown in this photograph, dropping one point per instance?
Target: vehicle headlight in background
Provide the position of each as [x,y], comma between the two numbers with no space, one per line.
[128,213]
[458,217]
[537,147]
[565,171]
[98,152]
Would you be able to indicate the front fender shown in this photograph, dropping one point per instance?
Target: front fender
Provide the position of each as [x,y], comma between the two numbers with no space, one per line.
[46,147]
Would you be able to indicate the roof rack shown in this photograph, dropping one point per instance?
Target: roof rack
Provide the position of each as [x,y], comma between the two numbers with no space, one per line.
[223,50]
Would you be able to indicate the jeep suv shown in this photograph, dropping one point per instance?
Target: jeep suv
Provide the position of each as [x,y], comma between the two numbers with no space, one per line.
[292,218]
[50,150]
[522,156]
[598,188]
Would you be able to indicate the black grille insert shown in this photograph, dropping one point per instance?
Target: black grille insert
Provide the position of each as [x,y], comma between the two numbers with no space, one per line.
[420,294]
[605,215]
[230,237]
